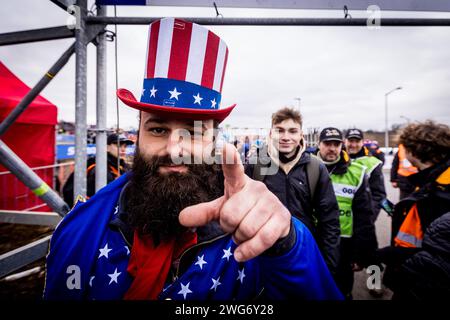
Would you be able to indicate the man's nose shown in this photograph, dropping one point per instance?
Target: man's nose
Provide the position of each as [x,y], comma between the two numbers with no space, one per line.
[179,144]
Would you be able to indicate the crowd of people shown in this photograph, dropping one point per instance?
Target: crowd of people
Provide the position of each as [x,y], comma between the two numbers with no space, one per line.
[269,221]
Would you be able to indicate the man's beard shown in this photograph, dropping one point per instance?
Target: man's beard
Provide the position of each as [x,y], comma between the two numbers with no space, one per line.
[154,200]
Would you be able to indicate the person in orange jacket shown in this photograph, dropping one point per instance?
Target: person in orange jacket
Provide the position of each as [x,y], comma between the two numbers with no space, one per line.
[401,169]
[427,147]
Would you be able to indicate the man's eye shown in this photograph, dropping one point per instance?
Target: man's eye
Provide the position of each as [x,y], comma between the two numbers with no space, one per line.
[158,131]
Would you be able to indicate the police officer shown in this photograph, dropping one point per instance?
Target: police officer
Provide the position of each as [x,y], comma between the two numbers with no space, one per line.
[360,154]
[351,187]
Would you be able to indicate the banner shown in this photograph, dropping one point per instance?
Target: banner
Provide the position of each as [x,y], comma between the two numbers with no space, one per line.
[67,151]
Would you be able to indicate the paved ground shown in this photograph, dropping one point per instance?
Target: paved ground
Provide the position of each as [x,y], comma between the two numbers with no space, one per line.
[383,230]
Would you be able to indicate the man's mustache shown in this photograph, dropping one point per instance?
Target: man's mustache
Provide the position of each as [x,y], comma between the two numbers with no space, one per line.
[161,161]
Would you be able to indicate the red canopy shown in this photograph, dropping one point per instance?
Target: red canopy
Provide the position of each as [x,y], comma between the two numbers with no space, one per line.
[31,137]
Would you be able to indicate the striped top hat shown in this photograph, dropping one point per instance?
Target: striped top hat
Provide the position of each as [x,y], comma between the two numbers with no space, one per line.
[184,72]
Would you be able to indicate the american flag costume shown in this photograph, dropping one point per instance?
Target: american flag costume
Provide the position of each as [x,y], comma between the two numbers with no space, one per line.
[85,245]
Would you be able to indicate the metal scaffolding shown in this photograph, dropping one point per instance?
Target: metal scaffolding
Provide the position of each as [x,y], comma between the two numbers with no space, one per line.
[330,22]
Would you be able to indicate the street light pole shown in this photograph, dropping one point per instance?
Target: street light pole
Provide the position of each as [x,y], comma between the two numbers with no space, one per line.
[408,120]
[298,99]
[386,128]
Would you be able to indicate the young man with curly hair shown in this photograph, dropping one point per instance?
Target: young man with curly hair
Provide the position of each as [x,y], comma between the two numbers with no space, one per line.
[427,147]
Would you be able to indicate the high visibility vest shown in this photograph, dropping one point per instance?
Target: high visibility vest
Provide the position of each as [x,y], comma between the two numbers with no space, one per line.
[405,168]
[345,187]
[370,162]
[410,234]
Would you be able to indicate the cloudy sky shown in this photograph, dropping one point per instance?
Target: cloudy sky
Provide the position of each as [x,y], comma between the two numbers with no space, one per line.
[340,73]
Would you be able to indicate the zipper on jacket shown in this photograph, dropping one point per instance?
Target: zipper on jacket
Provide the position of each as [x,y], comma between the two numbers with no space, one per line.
[184,252]
[196,246]
[124,238]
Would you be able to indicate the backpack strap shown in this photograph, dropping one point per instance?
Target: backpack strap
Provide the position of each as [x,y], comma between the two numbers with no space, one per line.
[313,173]
[263,161]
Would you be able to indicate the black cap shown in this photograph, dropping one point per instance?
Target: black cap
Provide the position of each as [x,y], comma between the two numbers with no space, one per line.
[331,134]
[113,137]
[354,133]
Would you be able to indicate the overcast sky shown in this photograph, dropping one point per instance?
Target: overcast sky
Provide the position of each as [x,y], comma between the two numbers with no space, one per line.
[340,73]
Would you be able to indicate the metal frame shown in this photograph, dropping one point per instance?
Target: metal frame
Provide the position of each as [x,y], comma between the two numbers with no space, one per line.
[92,28]
[386,22]
[20,257]
[36,35]
[100,139]
[50,219]
[14,164]
[80,102]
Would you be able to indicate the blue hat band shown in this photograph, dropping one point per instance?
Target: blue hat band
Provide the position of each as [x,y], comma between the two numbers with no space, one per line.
[179,94]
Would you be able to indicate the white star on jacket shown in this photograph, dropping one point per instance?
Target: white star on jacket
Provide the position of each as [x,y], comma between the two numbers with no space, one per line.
[104,251]
[200,261]
[241,275]
[143,91]
[227,254]
[213,103]
[198,99]
[184,290]
[153,92]
[174,94]
[114,276]
[216,283]
[90,281]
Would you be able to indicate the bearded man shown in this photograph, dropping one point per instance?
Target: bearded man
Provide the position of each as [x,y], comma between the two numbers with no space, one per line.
[176,226]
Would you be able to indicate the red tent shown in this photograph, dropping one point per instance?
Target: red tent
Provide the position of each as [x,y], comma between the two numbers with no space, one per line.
[31,137]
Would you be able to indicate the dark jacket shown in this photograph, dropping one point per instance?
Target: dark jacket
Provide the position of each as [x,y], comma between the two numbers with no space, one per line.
[293,191]
[377,153]
[376,183]
[426,275]
[403,182]
[432,200]
[363,243]
[111,174]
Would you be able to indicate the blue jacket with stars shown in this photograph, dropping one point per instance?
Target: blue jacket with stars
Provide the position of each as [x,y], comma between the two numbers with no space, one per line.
[88,260]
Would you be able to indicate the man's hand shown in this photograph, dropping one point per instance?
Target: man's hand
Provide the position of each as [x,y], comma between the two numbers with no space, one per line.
[394,184]
[248,210]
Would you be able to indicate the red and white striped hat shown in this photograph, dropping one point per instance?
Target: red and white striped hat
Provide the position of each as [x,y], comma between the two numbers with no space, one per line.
[184,72]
